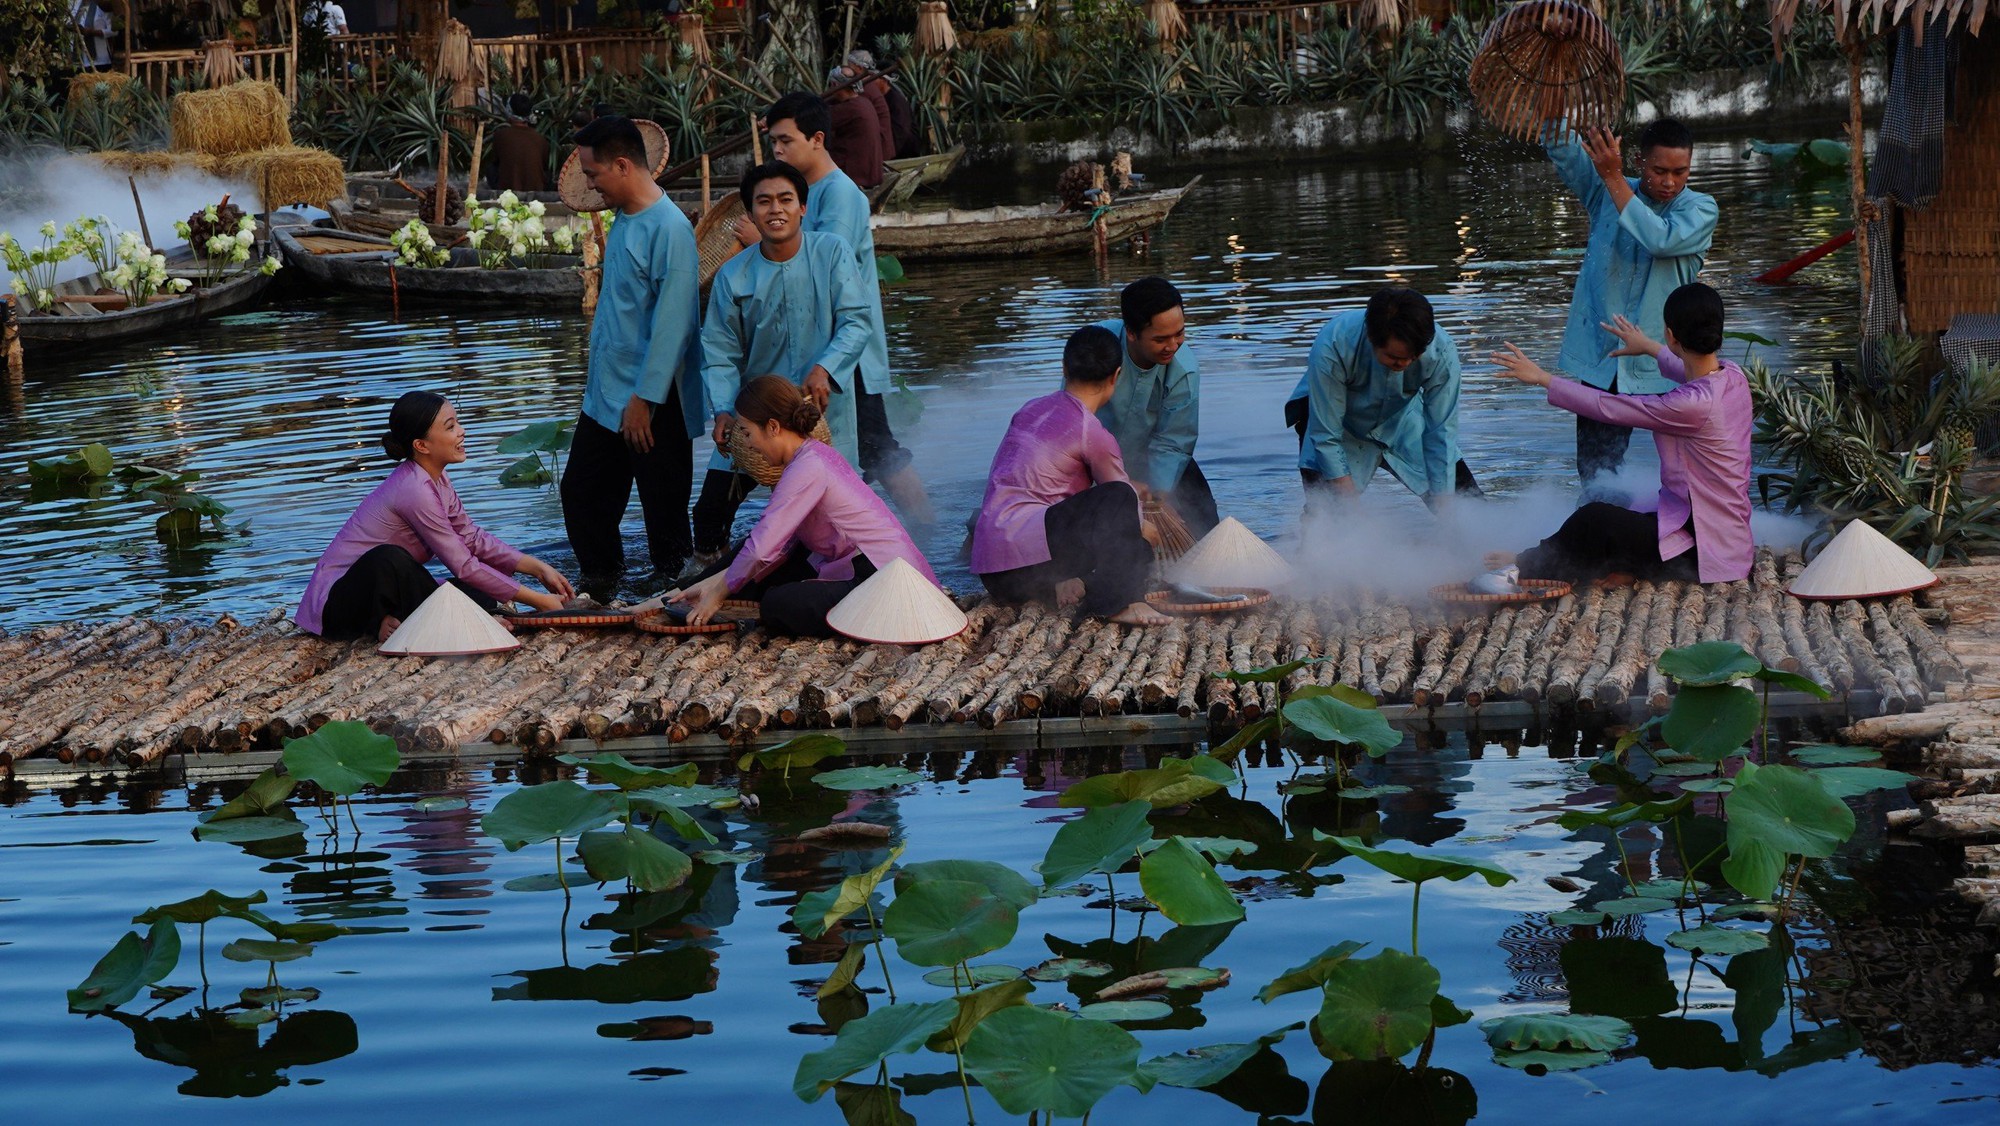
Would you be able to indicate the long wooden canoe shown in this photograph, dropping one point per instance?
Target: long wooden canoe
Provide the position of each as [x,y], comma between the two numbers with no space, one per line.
[931,168]
[86,319]
[999,232]
[358,263]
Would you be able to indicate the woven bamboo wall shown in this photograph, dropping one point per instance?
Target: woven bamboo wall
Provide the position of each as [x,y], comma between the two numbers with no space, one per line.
[1951,251]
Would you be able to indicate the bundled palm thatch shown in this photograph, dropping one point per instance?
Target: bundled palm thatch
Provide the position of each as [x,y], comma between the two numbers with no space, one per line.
[1548,61]
[219,63]
[457,65]
[694,35]
[236,118]
[1870,16]
[1166,18]
[934,32]
[286,174]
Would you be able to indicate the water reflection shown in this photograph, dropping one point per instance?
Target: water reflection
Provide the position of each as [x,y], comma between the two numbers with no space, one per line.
[230,1061]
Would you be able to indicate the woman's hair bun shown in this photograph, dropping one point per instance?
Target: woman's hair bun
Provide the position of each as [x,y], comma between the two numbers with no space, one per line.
[409,420]
[805,416]
[396,448]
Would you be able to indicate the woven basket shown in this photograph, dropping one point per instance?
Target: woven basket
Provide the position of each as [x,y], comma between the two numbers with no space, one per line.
[1254,596]
[1548,61]
[749,461]
[576,191]
[573,619]
[715,236]
[1175,538]
[735,614]
[1532,590]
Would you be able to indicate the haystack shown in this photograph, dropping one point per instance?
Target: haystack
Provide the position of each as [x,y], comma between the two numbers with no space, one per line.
[286,174]
[140,163]
[235,119]
[106,82]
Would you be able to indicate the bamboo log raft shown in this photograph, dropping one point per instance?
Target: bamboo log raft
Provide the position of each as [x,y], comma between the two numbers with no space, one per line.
[131,691]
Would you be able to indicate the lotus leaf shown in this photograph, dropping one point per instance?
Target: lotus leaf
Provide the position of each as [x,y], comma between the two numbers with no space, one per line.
[1854,781]
[1779,678]
[867,1041]
[278,995]
[1754,868]
[1184,885]
[342,757]
[529,470]
[132,964]
[1577,918]
[1556,1032]
[1377,1008]
[207,906]
[1369,793]
[263,796]
[803,750]
[1708,663]
[1788,810]
[845,972]
[939,922]
[1418,867]
[996,878]
[1746,911]
[740,856]
[1062,969]
[661,803]
[969,977]
[251,1018]
[549,437]
[1249,734]
[1831,153]
[818,910]
[871,1104]
[550,811]
[1781,154]
[1311,975]
[1333,720]
[245,830]
[1827,755]
[1445,1012]
[634,854]
[868,778]
[1126,1010]
[266,950]
[1619,816]
[1194,977]
[1685,770]
[1551,1061]
[1709,785]
[1029,1059]
[1711,939]
[888,269]
[1102,840]
[976,1006]
[1207,1066]
[1710,723]
[1340,692]
[443,804]
[1174,782]
[627,775]
[1632,905]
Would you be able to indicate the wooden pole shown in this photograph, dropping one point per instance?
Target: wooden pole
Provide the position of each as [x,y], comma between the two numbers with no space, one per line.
[141,209]
[292,53]
[756,145]
[10,340]
[478,150]
[1856,158]
[444,174]
[705,197]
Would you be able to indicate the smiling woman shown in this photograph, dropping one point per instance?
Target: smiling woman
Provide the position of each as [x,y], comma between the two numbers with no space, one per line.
[372,575]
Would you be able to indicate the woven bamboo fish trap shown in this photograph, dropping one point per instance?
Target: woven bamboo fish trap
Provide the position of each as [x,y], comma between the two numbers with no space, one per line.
[715,236]
[1548,61]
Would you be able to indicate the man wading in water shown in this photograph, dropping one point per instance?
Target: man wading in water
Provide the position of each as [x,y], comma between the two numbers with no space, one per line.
[1155,413]
[1648,237]
[642,401]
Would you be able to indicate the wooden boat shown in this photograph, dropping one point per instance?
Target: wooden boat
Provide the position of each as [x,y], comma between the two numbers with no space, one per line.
[358,263]
[997,232]
[931,169]
[82,316]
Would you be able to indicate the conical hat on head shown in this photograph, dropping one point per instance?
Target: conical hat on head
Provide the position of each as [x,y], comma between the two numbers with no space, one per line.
[576,191]
[1861,563]
[1231,555]
[897,605]
[449,624]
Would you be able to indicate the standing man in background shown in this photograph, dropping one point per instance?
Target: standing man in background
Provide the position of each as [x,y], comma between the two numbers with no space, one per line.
[642,402]
[1648,237]
[856,141]
[94,24]
[520,152]
[1155,410]
[902,116]
[331,16]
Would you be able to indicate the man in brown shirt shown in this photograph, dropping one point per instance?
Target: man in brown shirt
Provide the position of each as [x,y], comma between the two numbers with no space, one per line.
[856,144]
[901,139]
[520,152]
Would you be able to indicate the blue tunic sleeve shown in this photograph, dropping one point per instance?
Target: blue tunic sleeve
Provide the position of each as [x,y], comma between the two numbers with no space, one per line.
[1441,383]
[724,338]
[1326,403]
[842,353]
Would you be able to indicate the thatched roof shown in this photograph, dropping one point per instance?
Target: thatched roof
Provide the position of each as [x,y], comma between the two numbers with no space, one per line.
[1875,15]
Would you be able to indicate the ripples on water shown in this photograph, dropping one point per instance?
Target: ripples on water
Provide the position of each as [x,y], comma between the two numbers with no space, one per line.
[278,409]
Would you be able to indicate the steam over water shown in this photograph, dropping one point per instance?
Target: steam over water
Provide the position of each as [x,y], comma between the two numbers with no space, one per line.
[279,409]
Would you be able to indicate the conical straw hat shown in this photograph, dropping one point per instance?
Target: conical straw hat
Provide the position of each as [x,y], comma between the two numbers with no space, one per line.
[576,191]
[449,624]
[1231,555]
[897,605]
[1861,563]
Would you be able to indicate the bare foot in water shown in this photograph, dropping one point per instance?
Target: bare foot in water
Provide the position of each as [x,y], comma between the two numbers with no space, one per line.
[1140,614]
[389,625]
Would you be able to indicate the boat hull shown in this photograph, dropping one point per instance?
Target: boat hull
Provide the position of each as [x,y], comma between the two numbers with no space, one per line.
[1002,232]
[49,333]
[368,269]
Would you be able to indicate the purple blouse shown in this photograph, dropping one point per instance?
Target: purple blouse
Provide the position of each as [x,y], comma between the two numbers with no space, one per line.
[1702,429]
[424,518]
[1054,449]
[820,503]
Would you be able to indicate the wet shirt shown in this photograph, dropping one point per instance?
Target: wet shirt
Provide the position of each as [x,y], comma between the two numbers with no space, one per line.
[1702,428]
[645,337]
[785,318]
[835,206]
[1054,449]
[1360,414]
[821,504]
[1155,413]
[1634,259]
[423,517]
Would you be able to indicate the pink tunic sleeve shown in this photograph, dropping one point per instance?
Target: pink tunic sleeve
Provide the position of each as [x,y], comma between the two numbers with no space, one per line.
[433,512]
[792,500]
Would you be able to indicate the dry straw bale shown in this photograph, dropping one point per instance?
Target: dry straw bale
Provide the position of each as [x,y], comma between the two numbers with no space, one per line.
[286,175]
[146,163]
[237,118]
[111,82]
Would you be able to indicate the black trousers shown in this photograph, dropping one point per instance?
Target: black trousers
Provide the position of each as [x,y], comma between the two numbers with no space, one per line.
[1600,539]
[1194,500]
[384,583]
[1463,483]
[793,599]
[597,488]
[881,455]
[1600,446]
[722,493]
[1093,536]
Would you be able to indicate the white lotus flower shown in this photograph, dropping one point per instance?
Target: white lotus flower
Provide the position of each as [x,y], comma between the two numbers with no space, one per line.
[536,207]
[508,198]
[49,229]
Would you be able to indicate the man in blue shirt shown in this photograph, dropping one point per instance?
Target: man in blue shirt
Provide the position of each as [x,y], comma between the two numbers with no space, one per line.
[1380,388]
[1648,237]
[1155,412]
[642,401]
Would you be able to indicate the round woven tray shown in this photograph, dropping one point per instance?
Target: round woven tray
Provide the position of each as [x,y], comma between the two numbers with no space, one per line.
[733,615]
[573,619]
[1532,590]
[1162,600]
[1547,61]
[576,191]
[715,235]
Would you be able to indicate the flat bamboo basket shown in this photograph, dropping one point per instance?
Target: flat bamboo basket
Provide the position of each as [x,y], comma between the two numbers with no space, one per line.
[1548,61]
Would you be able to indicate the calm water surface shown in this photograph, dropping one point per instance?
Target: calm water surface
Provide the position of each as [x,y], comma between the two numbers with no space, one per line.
[277,409]
[465,1001]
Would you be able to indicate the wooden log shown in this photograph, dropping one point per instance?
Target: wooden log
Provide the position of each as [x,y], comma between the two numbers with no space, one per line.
[1635,647]
[1850,622]
[1619,606]
[1050,634]
[1461,660]
[945,697]
[1031,699]
[1194,673]
[711,654]
[1896,656]
[1512,666]
[1933,657]
[1099,691]
[1437,653]
[1561,622]
[1766,614]
[836,700]
[190,677]
[1399,652]
[1360,627]
[1263,655]
[1830,646]
[1163,674]
[1567,666]
[942,662]
[1479,672]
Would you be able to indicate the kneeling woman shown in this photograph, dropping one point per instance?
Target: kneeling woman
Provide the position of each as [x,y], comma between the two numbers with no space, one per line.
[823,532]
[372,575]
